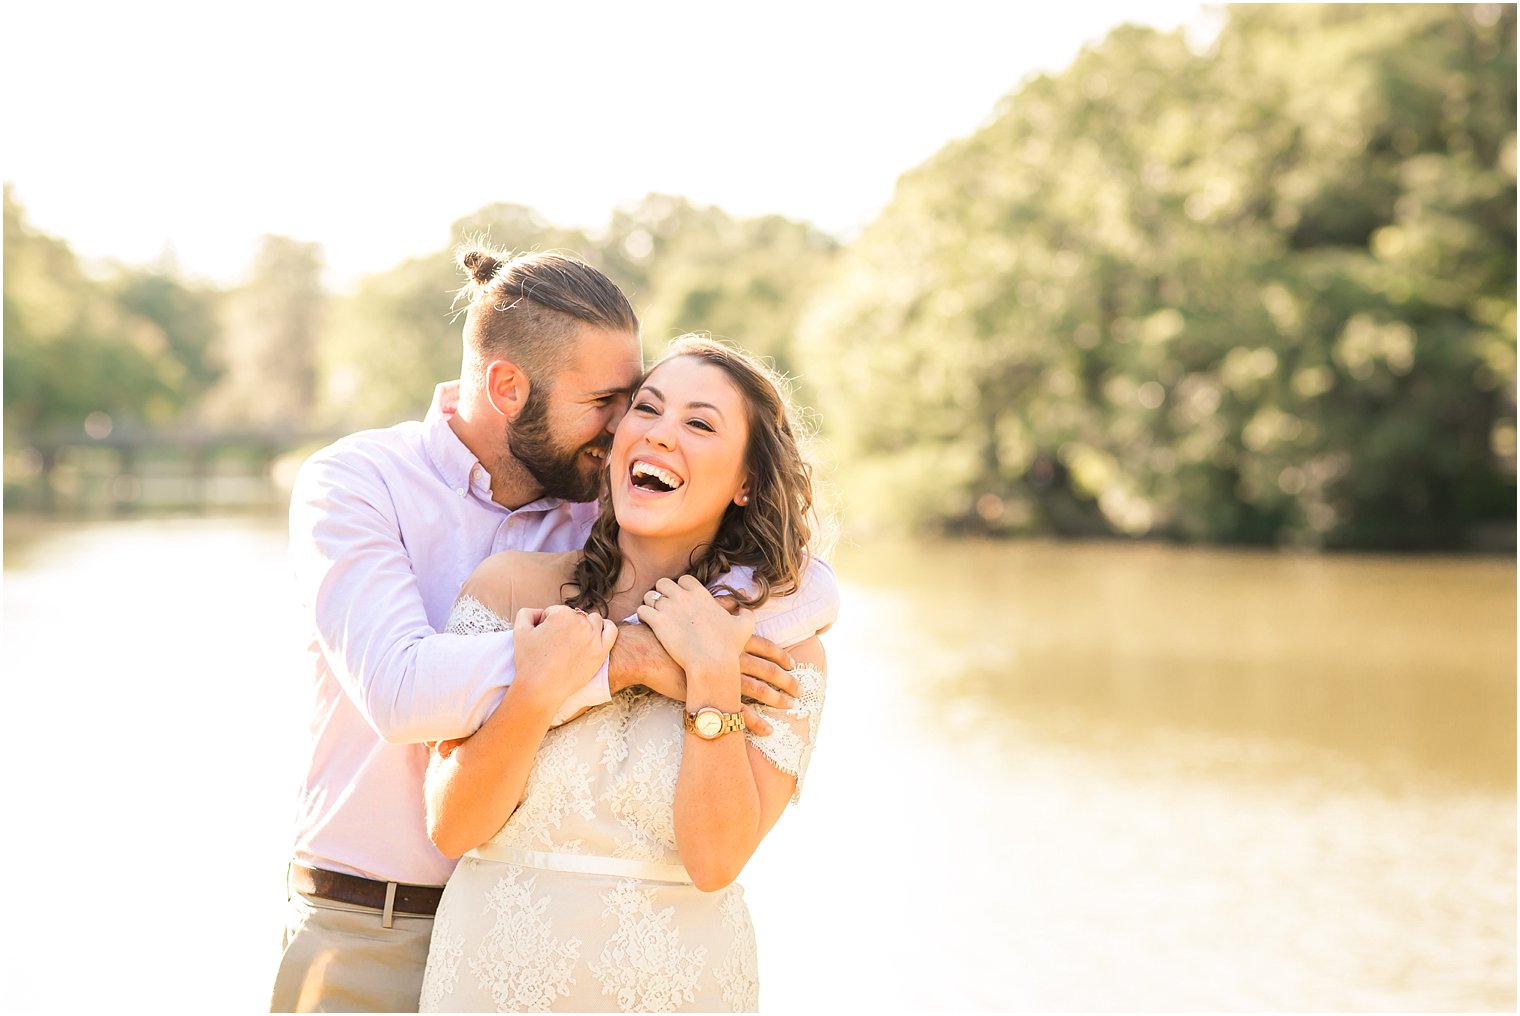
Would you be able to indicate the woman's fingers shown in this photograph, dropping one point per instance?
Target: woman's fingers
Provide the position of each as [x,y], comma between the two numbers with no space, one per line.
[756,723]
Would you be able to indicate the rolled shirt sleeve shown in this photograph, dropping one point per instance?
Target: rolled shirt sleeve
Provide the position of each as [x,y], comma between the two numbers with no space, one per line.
[409,681]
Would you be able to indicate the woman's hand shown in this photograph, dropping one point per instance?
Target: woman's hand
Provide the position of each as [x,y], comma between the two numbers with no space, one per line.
[558,649]
[694,627]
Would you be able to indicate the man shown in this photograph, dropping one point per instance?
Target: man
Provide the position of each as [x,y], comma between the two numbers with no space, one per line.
[385,526]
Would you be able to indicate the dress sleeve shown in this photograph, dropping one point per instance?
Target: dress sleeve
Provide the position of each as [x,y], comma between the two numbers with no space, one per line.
[789,745]
[471,617]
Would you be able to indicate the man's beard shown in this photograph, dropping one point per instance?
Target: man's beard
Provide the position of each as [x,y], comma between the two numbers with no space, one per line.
[560,471]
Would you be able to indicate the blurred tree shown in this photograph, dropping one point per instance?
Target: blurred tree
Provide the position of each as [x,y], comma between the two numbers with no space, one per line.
[684,268]
[73,348]
[270,340]
[691,268]
[1260,294]
[187,314]
[398,332]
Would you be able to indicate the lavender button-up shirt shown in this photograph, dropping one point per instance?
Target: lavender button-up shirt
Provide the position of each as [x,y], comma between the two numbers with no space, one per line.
[385,526]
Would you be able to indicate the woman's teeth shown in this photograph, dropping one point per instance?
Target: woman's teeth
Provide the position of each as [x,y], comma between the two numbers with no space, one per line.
[659,478]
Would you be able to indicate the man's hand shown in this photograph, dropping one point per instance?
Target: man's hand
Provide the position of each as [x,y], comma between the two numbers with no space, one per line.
[638,658]
[765,674]
[765,670]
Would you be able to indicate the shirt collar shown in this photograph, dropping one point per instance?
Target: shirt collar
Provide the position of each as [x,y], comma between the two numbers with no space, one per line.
[458,466]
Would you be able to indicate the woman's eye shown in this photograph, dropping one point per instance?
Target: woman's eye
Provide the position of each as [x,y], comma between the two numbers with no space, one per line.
[645,408]
[701,425]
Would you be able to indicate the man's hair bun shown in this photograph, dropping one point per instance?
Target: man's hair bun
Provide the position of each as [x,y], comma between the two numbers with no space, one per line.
[481,264]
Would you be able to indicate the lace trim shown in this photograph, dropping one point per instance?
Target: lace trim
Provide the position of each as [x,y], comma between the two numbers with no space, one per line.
[786,747]
[471,617]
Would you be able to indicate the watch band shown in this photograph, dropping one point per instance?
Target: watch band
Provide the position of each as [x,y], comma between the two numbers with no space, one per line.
[710,723]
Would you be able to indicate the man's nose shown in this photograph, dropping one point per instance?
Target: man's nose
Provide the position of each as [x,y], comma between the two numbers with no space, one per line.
[616,410]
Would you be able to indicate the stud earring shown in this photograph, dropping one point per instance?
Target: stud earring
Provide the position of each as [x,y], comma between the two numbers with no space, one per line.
[742,500]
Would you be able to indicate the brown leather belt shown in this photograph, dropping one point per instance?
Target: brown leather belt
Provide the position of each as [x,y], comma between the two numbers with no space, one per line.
[387,897]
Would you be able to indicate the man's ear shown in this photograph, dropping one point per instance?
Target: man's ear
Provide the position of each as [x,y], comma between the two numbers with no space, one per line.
[507,388]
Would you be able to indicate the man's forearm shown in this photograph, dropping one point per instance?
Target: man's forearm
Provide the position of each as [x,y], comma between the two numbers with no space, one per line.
[639,659]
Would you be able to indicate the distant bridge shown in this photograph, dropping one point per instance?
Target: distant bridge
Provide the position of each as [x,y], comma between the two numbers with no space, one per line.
[127,469]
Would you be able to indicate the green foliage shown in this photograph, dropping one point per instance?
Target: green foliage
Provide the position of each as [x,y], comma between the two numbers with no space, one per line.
[398,332]
[1261,294]
[693,269]
[132,348]
[387,342]
[685,268]
[273,325]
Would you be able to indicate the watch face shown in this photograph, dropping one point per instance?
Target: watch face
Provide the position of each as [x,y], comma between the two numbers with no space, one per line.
[709,723]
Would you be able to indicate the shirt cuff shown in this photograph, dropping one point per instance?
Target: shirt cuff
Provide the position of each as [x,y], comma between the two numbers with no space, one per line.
[596,692]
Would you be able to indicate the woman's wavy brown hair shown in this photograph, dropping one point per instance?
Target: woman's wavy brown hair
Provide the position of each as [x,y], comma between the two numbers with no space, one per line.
[772,535]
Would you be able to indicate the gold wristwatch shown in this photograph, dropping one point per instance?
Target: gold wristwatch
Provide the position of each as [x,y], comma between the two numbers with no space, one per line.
[710,724]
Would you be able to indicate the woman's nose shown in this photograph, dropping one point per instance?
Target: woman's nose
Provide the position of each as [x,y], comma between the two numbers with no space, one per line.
[660,433]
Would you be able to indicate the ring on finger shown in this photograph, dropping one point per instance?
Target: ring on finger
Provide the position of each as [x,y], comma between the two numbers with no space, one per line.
[651,596]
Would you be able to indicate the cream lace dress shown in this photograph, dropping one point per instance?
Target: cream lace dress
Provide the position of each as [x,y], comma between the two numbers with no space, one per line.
[580,902]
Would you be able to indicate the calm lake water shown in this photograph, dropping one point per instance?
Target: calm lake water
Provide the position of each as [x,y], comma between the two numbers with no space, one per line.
[1070,777]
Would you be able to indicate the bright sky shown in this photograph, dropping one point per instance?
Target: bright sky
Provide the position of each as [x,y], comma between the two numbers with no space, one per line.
[134,127]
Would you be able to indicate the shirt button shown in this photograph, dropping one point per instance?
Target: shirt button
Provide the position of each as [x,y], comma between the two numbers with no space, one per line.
[460,491]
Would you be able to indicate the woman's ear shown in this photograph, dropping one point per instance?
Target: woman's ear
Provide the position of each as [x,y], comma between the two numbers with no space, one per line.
[742,498]
[507,388]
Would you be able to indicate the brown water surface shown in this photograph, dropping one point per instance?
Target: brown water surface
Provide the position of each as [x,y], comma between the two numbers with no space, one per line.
[1050,776]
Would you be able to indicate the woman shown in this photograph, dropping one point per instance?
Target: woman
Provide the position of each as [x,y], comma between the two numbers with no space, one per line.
[605,850]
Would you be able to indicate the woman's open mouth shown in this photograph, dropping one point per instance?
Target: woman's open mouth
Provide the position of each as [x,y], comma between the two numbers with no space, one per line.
[653,478]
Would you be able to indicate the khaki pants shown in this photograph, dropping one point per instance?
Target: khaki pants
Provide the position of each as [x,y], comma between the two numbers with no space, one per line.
[339,958]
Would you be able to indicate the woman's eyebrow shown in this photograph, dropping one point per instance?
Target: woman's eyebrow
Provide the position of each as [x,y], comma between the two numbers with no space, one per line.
[651,389]
[706,405]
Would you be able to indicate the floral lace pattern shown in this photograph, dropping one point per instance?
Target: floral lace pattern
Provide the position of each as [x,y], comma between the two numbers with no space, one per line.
[440,978]
[643,794]
[559,785]
[520,962]
[513,937]
[789,746]
[471,617]
[739,977]
[644,966]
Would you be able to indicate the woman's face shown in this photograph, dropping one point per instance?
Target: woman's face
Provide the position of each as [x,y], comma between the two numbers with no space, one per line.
[678,455]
